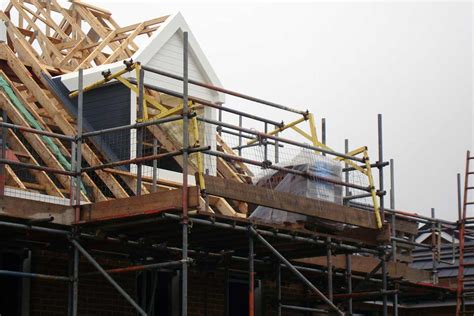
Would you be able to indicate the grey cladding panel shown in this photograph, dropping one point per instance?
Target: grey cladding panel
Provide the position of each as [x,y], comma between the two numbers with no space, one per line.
[109,106]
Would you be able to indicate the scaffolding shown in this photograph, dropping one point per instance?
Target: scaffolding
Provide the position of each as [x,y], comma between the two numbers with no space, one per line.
[385,234]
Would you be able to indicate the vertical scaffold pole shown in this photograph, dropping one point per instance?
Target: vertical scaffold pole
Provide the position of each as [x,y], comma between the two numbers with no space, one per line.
[80,105]
[184,269]
[72,288]
[329,264]
[4,151]
[382,206]
[323,132]
[346,175]
[384,285]
[434,247]
[381,182]
[277,148]
[392,184]
[278,288]
[395,301]
[394,230]
[155,166]
[75,282]
[265,144]
[251,277]
[392,206]
[78,168]
[72,190]
[139,138]
[219,117]
[240,136]
[349,282]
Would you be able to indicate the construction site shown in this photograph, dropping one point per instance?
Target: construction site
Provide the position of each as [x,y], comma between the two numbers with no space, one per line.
[130,187]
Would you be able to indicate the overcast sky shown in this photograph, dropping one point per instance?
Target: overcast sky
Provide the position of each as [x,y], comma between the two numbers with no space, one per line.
[346,62]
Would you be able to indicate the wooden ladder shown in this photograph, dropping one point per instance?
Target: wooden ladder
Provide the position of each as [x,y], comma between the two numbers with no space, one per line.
[465,221]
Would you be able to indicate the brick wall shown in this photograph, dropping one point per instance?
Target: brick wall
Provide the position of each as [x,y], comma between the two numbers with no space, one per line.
[96,295]
[207,290]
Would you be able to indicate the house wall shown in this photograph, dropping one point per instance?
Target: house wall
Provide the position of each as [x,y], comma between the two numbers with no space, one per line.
[206,292]
[106,107]
[169,58]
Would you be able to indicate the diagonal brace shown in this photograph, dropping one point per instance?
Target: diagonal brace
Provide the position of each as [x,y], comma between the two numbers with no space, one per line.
[108,277]
[295,271]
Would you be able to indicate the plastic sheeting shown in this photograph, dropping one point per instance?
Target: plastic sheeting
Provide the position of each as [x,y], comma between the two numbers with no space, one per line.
[309,187]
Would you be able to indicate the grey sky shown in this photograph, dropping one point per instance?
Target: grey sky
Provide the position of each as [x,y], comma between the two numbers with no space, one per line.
[412,62]
[347,62]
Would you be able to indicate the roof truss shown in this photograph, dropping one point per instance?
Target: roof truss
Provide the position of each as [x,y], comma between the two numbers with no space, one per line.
[80,36]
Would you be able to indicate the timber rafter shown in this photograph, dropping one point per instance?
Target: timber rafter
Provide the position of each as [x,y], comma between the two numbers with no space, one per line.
[80,36]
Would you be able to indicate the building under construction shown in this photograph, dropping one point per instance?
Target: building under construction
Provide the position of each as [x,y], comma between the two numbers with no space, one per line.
[129,185]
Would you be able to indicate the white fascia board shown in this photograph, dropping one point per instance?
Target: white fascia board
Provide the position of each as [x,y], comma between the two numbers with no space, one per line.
[91,75]
[174,23]
[444,235]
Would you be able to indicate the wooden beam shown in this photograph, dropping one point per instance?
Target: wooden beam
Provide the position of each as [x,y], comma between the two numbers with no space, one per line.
[71,53]
[289,202]
[96,26]
[152,203]
[98,195]
[47,45]
[52,107]
[364,264]
[34,140]
[228,150]
[96,51]
[40,176]
[12,179]
[31,209]
[221,205]
[145,24]
[165,139]
[124,44]
[46,19]
[92,7]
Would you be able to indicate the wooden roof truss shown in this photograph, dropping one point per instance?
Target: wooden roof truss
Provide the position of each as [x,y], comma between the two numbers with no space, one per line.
[45,38]
[80,36]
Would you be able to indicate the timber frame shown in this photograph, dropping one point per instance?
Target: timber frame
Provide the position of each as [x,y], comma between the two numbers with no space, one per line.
[57,180]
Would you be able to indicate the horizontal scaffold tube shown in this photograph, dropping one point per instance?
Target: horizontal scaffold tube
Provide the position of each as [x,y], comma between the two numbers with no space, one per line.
[279,139]
[143,267]
[288,170]
[373,165]
[34,275]
[36,167]
[411,216]
[34,228]
[133,126]
[144,159]
[36,131]
[364,294]
[335,245]
[209,104]
[226,91]
[303,309]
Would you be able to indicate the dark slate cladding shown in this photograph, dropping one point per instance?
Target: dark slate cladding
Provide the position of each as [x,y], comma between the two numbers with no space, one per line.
[109,106]
[104,107]
[447,268]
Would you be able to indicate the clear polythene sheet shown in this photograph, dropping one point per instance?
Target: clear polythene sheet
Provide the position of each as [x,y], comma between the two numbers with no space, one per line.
[312,164]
